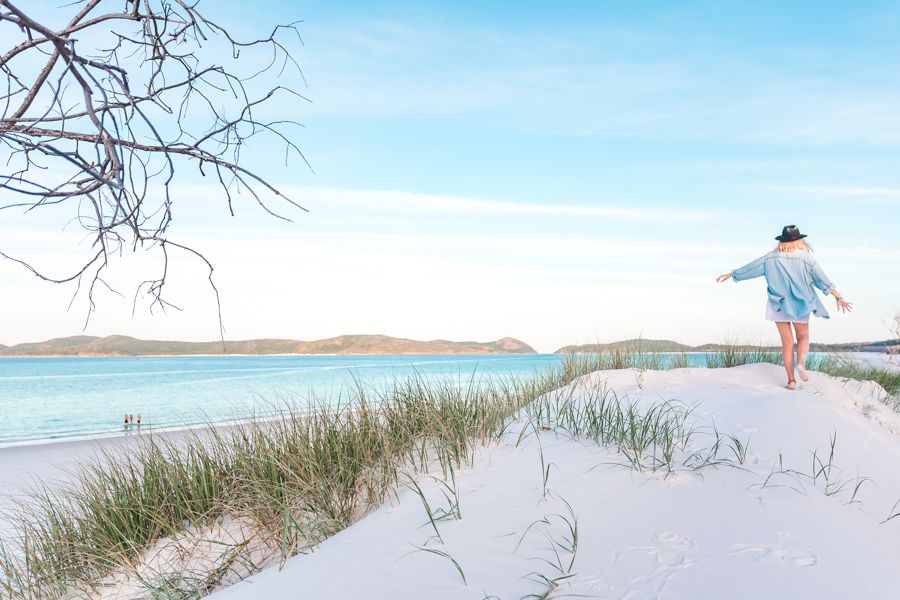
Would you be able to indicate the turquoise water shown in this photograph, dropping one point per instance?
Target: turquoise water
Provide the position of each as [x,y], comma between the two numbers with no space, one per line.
[43,398]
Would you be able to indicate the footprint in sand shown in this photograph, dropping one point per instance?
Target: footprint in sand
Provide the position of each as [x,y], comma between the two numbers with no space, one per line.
[672,549]
[596,584]
[674,552]
[793,553]
[670,554]
[788,550]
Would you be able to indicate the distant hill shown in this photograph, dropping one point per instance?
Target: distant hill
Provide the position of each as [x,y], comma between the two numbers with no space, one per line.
[630,345]
[671,346]
[120,345]
[882,346]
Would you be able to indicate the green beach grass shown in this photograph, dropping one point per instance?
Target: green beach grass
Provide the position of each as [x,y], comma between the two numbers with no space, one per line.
[849,370]
[302,476]
[299,478]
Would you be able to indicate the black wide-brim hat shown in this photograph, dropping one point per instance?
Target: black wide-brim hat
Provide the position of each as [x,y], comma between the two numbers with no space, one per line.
[790,233]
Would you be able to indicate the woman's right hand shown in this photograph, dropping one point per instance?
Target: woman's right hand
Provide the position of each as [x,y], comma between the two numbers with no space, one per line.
[723,277]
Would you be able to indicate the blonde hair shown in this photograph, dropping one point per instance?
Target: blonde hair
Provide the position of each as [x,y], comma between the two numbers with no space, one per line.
[793,246]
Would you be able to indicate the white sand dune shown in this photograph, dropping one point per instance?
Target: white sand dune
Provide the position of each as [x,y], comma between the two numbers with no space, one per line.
[765,531]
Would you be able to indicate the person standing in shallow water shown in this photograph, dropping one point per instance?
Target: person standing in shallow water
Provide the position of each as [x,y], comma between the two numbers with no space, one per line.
[792,275]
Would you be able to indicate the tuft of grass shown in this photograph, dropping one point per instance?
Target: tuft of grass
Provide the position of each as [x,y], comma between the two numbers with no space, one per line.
[739,448]
[446,555]
[895,512]
[824,475]
[735,355]
[563,546]
[648,439]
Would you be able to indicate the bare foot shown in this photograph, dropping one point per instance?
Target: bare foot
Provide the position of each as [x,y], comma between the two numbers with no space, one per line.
[804,376]
[792,385]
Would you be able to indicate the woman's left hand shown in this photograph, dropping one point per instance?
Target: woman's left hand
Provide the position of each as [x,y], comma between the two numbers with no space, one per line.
[843,305]
[723,277]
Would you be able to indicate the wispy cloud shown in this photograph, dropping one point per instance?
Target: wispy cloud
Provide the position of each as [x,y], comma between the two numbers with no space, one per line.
[410,202]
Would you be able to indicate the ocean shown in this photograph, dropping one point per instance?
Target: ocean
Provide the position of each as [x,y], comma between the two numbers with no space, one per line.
[51,398]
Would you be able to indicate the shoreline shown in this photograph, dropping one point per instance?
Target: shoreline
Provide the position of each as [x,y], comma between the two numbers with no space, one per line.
[138,356]
[886,352]
[145,431]
[54,460]
[877,360]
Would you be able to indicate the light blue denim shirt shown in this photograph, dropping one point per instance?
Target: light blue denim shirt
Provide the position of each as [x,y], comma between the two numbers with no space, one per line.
[790,277]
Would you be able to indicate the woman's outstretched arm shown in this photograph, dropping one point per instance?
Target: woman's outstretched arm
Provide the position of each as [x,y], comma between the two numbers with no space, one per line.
[748,271]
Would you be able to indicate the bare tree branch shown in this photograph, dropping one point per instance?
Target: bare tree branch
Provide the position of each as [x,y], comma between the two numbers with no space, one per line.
[104,112]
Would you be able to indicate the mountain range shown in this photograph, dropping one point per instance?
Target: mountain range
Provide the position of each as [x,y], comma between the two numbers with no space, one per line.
[670,346]
[120,345]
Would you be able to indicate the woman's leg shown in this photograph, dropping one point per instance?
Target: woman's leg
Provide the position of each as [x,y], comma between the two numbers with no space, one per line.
[787,350]
[802,330]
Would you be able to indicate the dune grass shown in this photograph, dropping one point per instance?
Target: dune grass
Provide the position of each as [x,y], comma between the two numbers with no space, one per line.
[306,474]
[738,354]
[300,476]
[848,369]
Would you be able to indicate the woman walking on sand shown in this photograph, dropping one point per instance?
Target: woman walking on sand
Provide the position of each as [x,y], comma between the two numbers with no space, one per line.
[791,274]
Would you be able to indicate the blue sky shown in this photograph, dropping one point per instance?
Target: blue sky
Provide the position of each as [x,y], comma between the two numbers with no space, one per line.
[560,173]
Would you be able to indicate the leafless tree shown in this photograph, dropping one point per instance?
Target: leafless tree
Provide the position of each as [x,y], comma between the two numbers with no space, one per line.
[895,331]
[101,113]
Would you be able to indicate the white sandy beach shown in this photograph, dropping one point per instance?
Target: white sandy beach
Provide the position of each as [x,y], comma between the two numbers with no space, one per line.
[764,530]
[721,533]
